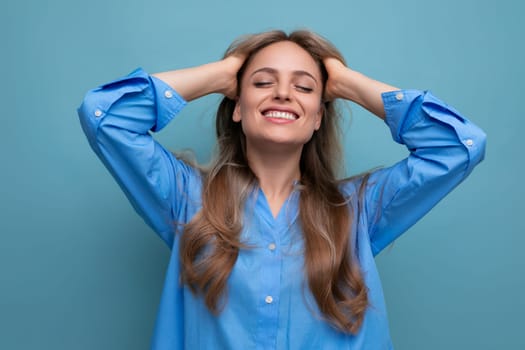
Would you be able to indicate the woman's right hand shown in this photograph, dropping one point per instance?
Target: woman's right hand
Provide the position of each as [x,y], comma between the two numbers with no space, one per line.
[231,65]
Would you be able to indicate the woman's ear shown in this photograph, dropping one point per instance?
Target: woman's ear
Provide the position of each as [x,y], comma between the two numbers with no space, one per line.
[236,117]
[319,116]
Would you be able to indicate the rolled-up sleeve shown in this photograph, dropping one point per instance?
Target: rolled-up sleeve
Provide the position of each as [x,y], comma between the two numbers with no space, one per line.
[444,147]
[117,118]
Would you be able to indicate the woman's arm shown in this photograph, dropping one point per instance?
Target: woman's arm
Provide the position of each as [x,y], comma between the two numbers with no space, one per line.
[118,118]
[351,85]
[444,148]
[216,77]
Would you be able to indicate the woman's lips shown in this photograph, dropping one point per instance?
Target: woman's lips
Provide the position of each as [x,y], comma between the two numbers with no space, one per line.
[280,116]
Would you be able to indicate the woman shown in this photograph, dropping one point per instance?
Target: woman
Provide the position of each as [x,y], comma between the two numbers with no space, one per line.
[269,249]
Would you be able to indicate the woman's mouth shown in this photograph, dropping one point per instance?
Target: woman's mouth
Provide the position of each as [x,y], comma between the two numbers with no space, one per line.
[281,115]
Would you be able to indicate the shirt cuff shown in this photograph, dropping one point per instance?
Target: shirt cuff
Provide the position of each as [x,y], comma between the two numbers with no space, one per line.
[397,105]
[169,103]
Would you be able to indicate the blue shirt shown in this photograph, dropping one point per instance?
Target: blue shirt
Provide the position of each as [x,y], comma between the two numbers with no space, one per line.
[269,305]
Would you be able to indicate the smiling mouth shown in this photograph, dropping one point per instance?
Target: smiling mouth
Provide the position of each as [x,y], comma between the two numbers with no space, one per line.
[275,114]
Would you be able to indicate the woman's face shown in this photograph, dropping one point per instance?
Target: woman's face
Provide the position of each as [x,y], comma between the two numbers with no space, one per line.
[280,99]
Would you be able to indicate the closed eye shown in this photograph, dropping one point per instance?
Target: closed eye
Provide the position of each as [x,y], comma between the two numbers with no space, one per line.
[262,83]
[303,88]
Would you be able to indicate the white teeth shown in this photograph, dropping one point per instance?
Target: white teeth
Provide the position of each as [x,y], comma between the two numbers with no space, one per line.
[280,115]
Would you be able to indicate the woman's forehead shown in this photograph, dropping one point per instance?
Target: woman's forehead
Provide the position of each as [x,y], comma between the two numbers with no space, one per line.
[283,57]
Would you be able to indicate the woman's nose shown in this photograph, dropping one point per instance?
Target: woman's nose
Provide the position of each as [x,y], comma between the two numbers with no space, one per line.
[282,91]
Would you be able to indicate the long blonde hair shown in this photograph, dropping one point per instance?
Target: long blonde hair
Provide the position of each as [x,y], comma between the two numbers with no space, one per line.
[211,242]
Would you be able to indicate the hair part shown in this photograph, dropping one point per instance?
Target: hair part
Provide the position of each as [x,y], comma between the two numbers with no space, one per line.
[211,242]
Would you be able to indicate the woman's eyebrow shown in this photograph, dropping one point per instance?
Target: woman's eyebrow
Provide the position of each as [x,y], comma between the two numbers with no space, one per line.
[274,71]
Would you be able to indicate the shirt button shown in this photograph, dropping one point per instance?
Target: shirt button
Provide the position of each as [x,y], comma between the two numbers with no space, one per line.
[271,246]
[168,94]
[399,96]
[98,113]
[268,299]
[469,142]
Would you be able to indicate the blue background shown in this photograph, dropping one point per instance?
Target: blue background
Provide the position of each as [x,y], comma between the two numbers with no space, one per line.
[80,270]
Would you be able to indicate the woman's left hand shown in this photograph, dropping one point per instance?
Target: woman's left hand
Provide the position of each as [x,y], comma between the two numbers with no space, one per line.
[335,69]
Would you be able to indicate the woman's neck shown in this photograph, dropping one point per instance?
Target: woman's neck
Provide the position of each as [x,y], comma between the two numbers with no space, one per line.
[276,172]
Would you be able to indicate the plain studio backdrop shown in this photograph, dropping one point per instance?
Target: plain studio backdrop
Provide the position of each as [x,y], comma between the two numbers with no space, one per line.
[80,270]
